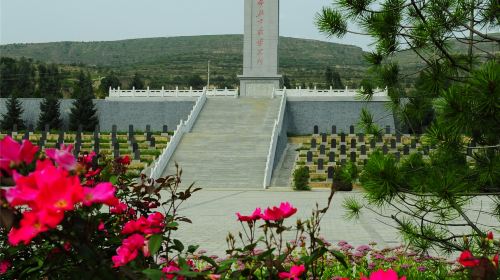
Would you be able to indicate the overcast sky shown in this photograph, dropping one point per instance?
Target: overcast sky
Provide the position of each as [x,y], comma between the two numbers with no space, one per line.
[30,21]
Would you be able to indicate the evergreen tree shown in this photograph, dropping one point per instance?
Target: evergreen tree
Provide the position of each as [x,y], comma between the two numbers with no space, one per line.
[50,113]
[196,82]
[8,75]
[430,197]
[49,81]
[110,81]
[83,111]
[137,82]
[332,79]
[13,116]
[25,84]
[286,82]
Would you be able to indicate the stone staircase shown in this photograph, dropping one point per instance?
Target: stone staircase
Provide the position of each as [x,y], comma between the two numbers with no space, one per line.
[282,177]
[228,145]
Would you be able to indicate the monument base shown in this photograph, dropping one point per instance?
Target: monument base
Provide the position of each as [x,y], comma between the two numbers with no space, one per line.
[258,86]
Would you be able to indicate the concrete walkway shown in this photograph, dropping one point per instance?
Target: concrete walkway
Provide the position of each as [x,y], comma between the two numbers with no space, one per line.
[213,216]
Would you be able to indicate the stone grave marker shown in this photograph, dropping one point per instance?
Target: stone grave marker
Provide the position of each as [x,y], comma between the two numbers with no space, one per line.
[152,142]
[331,157]
[363,152]
[388,130]
[320,164]
[333,144]
[14,130]
[353,144]
[343,154]
[315,130]
[130,132]
[330,172]
[351,129]
[148,129]
[164,131]
[385,149]
[116,146]
[309,157]
[137,155]
[26,135]
[393,144]
[97,145]
[334,130]
[406,150]
[398,137]
[60,139]
[135,146]
[372,143]
[313,143]
[361,138]
[116,153]
[322,149]
[353,156]
[323,138]
[342,138]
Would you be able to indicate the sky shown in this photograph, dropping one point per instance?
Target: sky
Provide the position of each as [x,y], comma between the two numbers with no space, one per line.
[35,21]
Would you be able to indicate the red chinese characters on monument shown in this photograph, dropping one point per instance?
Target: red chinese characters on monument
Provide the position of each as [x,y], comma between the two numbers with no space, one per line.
[259,43]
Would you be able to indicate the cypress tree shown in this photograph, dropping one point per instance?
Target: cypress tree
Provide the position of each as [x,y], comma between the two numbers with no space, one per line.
[49,113]
[83,111]
[13,116]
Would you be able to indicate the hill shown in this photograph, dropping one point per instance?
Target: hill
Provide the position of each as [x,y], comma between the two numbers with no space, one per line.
[165,58]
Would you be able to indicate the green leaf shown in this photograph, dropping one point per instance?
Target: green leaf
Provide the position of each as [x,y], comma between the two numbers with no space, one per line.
[113,180]
[209,260]
[155,243]
[192,248]
[339,256]
[153,274]
[178,245]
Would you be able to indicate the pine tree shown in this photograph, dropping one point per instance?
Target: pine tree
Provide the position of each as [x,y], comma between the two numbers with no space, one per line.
[13,116]
[459,87]
[50,113]
[137,82]
[83,111]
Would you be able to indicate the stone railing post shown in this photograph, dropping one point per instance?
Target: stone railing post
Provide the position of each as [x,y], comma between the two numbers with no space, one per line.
[176,91]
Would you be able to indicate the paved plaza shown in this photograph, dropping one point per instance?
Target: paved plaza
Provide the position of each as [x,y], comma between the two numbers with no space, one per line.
[213,215]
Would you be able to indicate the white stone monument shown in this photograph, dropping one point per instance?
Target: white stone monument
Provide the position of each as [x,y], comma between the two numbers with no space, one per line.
[260,48]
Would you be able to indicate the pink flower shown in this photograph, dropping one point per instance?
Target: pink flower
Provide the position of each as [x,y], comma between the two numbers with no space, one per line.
[285,210]
[467,259]
[119,208]
[154,223]
[30,227]
[101,226]
[257,213]
[489,236]
[63,157]
[102,193]
[384,275]
[172,267]
[128,251]
[13,153]
[4,266]
[294,273]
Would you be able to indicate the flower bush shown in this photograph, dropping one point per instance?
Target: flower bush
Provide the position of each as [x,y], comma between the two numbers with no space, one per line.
[69,218]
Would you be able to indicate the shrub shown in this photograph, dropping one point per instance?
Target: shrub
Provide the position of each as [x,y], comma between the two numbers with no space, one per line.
[301,179]
[344,176]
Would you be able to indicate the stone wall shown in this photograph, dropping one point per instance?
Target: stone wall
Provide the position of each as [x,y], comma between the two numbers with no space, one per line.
[302,116]
[122,113]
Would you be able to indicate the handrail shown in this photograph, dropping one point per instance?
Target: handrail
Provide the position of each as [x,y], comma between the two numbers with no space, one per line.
[278,124]
[325,92]
[183,127]
[117,93]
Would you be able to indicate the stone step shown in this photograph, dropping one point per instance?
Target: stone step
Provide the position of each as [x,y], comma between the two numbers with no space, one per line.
[228,144]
